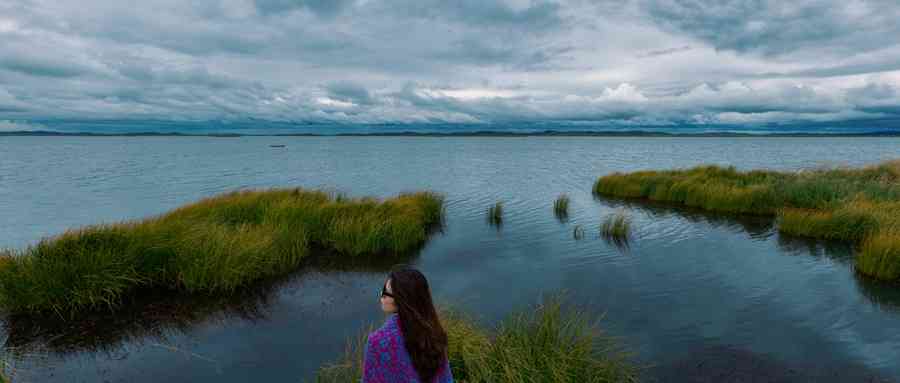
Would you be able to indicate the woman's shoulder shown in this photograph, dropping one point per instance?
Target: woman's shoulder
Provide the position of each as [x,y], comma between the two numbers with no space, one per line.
[381,338]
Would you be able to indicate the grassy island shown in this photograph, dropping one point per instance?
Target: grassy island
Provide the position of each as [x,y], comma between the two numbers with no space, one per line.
[861,205]
[213,246]
[543,344]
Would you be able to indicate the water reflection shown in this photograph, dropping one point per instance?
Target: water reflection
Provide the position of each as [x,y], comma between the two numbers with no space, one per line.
[494,216]
[561,214]
[841,252]
[715,364]
[757,227]
[885,295]
[622,243]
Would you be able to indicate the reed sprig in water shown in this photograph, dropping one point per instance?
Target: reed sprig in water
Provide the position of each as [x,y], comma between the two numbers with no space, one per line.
[578,232]
[616,229]
[495,214]
[860,205]
[561,208]
[216,245]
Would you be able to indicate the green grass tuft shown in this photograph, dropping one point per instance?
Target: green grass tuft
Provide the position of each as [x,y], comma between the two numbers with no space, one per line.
[495,214]
[616,227]
[880,256]
[578,232]
[544,344]
[561,207]
[860,205]
[216,245]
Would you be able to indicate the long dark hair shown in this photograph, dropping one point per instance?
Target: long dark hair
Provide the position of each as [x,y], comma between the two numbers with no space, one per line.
[423,334]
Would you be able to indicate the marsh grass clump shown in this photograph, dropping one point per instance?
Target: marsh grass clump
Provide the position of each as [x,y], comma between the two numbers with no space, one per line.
[544,344]
[216,245]
[616,227]
[880,256]
[852,221]
[549,344]
[861,205]
[495,214]
[561,208]
[349,367]
[578,232]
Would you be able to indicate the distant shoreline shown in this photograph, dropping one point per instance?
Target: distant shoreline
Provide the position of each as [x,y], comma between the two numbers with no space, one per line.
[485,133]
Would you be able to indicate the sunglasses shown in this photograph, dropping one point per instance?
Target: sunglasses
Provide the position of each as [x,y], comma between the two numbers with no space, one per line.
[384,292]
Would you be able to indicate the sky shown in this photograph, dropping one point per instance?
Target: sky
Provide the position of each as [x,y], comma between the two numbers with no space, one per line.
[616,62]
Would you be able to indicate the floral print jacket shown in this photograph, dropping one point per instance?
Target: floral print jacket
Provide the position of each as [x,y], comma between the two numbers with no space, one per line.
[387,361]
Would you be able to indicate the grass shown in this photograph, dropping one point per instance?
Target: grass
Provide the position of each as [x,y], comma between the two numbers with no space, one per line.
[543,344]
[10,359]
[214,246]
[577,232]
[495,214]
[879,255]
[561,207]
[616,227]
[861,205]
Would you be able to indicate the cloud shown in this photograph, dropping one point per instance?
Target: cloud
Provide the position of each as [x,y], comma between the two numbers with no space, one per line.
[320,7]
[663,52]
[13,126]
[9,104]
[404,61]
[350,92]
[38,67]
[534,15]
[772,27]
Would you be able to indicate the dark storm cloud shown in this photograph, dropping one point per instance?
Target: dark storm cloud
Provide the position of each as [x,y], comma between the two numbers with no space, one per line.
[840,70]
[350,92]
[37,67]
[774,27]
[321,7]
[663,52]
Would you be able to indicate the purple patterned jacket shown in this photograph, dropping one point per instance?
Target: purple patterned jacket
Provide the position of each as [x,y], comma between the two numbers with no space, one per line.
[387,360]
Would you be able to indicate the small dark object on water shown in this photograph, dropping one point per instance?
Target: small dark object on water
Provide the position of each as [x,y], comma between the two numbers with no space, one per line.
[276,146]
[578,232]
[495,214]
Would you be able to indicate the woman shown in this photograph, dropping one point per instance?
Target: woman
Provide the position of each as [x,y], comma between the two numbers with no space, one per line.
[411,346]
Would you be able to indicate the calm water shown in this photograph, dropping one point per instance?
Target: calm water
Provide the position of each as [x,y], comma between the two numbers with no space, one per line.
[695,294]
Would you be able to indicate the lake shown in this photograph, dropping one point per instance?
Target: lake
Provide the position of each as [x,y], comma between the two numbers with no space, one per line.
[694,296]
